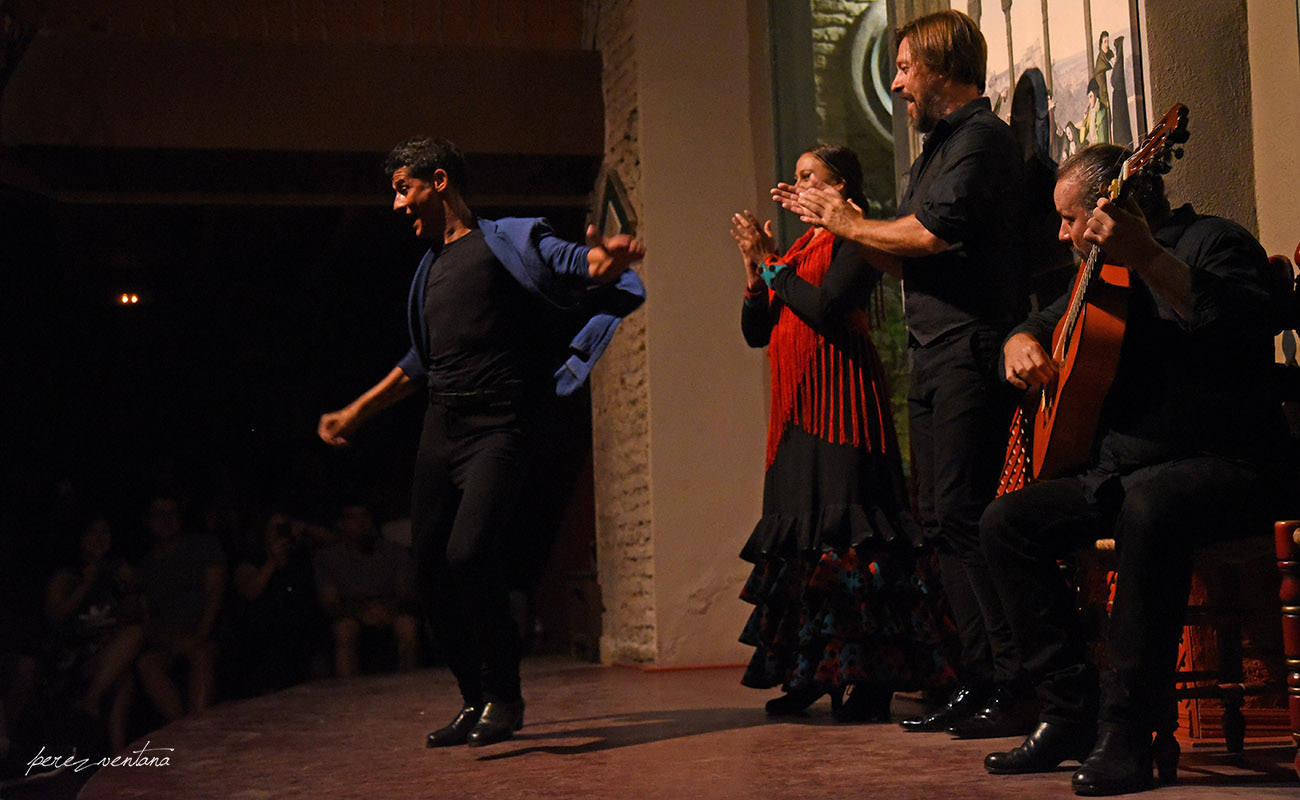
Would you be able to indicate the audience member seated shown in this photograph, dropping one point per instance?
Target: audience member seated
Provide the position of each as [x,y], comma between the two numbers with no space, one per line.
[182,580]
[94,612]
[276,625]
[364,581]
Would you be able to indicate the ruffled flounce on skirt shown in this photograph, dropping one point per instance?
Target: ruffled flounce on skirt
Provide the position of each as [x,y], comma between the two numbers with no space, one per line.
[841,592]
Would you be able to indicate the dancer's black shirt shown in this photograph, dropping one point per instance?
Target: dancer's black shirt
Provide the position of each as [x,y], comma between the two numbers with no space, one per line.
[482,323]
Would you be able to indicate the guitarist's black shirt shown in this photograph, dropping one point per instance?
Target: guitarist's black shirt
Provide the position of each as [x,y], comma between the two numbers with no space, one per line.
[968,188]
[1195,386]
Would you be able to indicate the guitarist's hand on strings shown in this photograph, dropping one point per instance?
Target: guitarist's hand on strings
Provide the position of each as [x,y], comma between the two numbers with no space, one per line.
[1122,234]
[1125,239]
[1027,362]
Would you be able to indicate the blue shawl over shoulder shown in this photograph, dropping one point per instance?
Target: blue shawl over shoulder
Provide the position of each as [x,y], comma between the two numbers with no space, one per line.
[550,268]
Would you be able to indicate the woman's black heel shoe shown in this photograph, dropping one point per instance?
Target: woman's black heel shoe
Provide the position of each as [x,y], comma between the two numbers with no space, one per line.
[793,703]
[863,703]
[1165,751]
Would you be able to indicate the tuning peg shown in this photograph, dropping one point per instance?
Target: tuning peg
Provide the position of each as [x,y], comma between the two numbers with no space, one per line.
[1178,152]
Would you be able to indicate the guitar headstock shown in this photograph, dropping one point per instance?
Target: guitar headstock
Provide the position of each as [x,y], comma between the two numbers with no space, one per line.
[1161,146]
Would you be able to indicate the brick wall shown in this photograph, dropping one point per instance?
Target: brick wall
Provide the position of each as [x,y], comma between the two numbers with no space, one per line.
[840,117]
[528,24]
[832,22]
[619,385]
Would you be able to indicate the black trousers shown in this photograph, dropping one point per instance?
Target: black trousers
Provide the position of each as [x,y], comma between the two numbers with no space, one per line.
[469,475]
[1156,516]
[960,414]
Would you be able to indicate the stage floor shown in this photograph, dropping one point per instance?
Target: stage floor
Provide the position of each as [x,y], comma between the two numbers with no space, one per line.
[598,732]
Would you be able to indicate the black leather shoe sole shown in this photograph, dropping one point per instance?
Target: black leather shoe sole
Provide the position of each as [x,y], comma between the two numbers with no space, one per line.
[1043,750]
[980,728]
[962,704]
[457,732]
[1120,763]
[1005,715]
[498,723]
[1108,788]
[938,722]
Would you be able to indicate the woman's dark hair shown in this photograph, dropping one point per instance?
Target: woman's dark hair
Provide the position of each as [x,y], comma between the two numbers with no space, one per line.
[843,164]
[67,544]
[422,156]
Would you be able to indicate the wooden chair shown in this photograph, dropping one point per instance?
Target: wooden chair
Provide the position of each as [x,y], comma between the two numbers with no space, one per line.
[1286,539]
[1221,613]
[1217,614]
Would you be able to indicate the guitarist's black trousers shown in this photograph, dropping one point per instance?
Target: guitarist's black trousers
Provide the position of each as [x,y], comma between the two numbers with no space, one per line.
[1156,514]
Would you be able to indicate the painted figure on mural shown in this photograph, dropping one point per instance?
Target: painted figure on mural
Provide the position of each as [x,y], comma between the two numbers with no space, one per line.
[1103,65]
[1096,118]
[1121,129]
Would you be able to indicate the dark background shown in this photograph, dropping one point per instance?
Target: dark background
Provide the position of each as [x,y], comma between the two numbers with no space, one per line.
[252,321]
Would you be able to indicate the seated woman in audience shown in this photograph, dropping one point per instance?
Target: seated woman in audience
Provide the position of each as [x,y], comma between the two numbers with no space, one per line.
[92,606]
[276,625]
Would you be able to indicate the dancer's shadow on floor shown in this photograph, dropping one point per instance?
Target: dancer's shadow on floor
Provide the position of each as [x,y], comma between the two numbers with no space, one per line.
[611,731]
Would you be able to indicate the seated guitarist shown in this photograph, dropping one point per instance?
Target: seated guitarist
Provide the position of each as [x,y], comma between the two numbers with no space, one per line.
[1188,450]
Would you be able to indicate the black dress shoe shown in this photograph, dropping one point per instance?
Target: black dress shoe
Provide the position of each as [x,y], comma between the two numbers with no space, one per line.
[1044,749]
[498,723]
[1120,763]
[1007,713]
[962,703]
[456,732]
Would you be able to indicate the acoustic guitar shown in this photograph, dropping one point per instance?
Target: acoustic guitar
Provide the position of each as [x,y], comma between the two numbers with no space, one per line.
[1087,340]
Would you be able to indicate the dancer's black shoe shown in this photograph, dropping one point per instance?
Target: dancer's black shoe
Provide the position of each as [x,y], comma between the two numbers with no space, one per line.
[499,722]
[457,731]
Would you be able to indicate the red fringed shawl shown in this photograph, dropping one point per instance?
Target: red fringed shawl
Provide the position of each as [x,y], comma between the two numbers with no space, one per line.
[833,390]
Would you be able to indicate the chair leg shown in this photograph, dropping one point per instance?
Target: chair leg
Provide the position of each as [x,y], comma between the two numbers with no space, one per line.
[1286,535]
[1234,722]
[1228,632]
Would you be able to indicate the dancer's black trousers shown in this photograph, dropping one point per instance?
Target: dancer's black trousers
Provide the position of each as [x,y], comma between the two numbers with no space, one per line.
[469,474]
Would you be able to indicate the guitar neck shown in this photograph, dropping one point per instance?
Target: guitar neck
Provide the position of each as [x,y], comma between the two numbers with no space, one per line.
[1077,299]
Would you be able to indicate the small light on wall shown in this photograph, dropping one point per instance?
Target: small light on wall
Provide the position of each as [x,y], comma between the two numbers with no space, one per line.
[128,299]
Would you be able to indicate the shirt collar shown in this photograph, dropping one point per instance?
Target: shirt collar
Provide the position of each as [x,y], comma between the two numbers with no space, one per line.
[1171,230]
[953,119]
